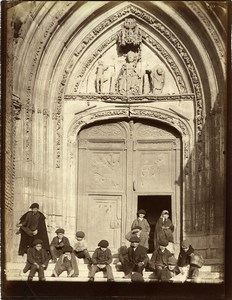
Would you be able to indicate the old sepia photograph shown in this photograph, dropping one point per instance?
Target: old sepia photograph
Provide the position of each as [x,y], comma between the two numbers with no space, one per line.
[115,125]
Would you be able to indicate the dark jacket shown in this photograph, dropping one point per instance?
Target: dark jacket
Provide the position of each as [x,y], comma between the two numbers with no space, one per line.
[159,258]
[33,256]
[184,257]
[138,255]
[26,238]
[102,257]
[162,233]
[64,242]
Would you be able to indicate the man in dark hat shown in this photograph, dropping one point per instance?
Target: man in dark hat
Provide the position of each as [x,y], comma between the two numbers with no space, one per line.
[136,259]
[159,261]
[58,243]
[101,259]
[66,262]
[32,226]
[145,227]
[37,260]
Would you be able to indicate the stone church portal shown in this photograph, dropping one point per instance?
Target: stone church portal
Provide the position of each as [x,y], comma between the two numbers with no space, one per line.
[118,164]
[115,106]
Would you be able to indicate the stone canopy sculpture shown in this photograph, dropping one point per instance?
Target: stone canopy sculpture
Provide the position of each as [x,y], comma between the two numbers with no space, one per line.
[130,79]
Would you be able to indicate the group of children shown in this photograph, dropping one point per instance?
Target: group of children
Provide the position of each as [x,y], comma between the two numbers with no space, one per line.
[133,259]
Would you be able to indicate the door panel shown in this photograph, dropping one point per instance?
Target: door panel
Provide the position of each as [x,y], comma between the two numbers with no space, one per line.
[104,220]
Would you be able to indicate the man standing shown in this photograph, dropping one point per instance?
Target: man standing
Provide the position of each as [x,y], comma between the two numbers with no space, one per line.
[136,258]
[32,226]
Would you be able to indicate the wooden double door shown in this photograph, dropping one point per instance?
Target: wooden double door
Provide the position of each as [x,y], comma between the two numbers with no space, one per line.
[119,163]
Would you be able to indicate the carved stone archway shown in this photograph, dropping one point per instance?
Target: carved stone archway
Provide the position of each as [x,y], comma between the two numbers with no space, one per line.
[109,114]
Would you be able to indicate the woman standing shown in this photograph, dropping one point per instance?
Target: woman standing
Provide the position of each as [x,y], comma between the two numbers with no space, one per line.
[164,231]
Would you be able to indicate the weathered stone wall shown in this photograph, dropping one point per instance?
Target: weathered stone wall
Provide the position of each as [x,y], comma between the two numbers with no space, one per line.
[52,49]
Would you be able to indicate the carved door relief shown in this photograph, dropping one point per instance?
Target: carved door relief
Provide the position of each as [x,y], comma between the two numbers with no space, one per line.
[117,162]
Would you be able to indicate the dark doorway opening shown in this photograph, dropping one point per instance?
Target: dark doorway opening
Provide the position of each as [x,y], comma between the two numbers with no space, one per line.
[153,205]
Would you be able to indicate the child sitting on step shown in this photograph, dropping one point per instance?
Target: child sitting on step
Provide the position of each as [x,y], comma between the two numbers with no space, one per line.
[58,243]
[37,260]
[101,259]
[80,247]
[189,262]
[66,262]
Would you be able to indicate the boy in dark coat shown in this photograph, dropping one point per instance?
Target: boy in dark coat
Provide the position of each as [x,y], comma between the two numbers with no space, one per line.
[37,260]
[58,244]
[32,226]
[184,261]
[66,262]
[136,259]
[159,261]
[101,259]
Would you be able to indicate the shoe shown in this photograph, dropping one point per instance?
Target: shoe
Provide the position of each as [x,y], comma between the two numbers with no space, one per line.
[110,280]
[29,278]
[91,279]
[128,276]
[53,275]
[42,279]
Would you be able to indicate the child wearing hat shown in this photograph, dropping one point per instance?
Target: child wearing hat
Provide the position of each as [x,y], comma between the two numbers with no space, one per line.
[57,244]
[136,259]
[172,266]
[137,231]
[101,259]
[37,260]
[80,247]
[184,261]
[164,230]
[143,223]
[66,262]
[159,261]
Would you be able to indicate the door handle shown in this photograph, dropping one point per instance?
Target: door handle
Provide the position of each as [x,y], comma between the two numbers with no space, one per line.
[134,185]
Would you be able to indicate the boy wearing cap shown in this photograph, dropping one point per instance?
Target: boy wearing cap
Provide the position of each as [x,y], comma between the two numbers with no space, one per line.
[137,231]
[66,262]
[32,226]
[101,259]
[172,266]
[164,229]
[80,247]
[37,260]
[184,261]
[159,261]
[142,222]
[57,244]
[136,259]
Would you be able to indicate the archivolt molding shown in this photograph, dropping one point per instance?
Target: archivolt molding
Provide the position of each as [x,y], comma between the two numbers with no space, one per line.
[161,29]
[213,34]
[110,113]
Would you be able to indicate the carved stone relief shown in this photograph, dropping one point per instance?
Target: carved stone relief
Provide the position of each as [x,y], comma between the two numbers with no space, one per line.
[105,171]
